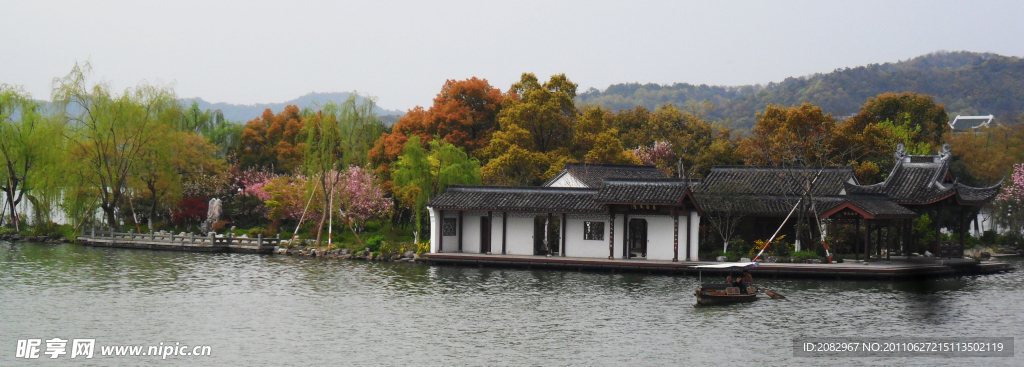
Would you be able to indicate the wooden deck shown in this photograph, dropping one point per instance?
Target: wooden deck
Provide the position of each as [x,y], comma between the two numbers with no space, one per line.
[172,242]
[880,270]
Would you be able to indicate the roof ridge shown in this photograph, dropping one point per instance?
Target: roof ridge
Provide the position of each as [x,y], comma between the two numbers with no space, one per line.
[758,167]
[643,180]
[630,166]
[539,189]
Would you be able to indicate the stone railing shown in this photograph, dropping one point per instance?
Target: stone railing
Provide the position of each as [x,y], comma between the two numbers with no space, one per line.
[183,238]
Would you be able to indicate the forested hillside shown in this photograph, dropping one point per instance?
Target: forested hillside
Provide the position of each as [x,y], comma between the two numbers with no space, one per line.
[243,112]
[965,82]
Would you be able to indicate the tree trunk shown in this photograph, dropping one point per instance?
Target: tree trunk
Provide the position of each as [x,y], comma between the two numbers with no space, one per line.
[111,219]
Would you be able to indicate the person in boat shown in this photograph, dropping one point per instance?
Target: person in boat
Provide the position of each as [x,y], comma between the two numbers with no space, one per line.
[732,279]
[745,281]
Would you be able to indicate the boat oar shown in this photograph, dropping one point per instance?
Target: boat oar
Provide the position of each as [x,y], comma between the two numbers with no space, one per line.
[774,295]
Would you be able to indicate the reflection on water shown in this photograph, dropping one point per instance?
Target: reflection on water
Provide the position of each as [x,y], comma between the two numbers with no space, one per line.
[281,310]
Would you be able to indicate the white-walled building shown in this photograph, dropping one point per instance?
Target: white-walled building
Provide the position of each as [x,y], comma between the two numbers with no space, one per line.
[595,211]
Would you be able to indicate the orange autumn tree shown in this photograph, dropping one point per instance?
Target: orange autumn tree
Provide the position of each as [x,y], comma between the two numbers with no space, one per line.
[272,141]
[791,136]
[464,114]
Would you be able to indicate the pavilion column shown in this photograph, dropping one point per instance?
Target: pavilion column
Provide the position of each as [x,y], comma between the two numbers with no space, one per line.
[889,242]
[692,233]
[459,234]
[490,232]
[611,236]
[625,236]
[675,235]
[440,237]
[562,226]
[867,240]
[504,226]
[905,227]
[878,240]
[547,234]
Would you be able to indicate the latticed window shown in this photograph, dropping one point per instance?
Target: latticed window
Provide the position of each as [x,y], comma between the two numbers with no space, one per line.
[448,226]
[593,231]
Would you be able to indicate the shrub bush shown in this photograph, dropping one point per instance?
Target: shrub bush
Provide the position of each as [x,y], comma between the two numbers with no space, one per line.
[47,229]
[397,248]
[258,231]
[800,256]
[374,242]
[371,226]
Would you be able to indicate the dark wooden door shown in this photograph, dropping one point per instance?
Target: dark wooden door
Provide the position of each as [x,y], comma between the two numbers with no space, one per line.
[638,238]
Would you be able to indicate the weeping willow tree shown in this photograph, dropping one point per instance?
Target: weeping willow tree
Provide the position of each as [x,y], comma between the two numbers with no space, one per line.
[29,150]
[108,132]
[337,136]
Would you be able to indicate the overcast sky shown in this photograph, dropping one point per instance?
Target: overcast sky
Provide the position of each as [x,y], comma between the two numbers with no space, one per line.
[402,52]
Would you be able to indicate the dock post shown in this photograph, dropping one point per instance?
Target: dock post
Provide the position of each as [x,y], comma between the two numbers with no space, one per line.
[93,232]
[191,238]
[259,240]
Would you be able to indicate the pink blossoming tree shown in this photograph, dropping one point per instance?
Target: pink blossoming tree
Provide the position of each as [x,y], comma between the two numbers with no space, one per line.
[360,198]
[1010,203]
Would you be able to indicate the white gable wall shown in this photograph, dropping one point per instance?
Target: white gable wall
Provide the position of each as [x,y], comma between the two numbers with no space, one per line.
[567,180]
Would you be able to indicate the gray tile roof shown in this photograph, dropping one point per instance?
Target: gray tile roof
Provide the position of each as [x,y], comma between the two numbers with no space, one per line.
[921,183]
[760,180]
[518,198]
[653,191]
[876,206]
[593,175]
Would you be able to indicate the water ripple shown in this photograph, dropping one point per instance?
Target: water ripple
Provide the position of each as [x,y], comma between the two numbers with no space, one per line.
[281,310]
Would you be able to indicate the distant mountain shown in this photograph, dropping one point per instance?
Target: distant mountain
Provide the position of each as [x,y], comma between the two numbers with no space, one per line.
[242,113]
[967,83]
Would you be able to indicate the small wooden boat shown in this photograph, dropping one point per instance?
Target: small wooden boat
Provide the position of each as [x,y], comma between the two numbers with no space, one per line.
[724,293]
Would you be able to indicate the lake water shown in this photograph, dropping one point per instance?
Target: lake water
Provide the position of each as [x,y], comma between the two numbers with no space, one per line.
[258,310]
